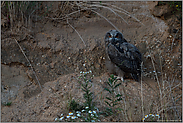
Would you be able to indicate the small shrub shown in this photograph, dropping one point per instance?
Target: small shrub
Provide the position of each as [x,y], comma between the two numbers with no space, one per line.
[113,98]
[7,104]
[78,112]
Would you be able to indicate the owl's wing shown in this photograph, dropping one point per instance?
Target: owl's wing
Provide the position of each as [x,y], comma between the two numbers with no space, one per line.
[127,57]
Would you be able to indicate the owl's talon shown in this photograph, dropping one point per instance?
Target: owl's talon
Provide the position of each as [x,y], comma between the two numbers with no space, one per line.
[120,78]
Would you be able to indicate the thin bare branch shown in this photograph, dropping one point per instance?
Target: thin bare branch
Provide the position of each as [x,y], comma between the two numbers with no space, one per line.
[29,64]
[142,92]
[175,109]
[152,58]
[165,105]
[111,11]
[171,89]
[125,12]
[174,38]
[106,20]
[76,32]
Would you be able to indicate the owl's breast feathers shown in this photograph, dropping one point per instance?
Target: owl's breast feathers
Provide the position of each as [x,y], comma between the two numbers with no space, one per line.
[127,57]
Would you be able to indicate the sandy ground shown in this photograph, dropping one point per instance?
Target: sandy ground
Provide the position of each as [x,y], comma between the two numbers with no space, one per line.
[57,55]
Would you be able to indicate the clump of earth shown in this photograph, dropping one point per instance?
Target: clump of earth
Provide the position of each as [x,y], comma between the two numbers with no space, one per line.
[57,55]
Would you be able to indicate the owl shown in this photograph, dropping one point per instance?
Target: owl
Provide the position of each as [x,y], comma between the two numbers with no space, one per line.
[122,57]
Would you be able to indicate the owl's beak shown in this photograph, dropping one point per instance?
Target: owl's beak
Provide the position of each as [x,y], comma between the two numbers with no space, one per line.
[113,39]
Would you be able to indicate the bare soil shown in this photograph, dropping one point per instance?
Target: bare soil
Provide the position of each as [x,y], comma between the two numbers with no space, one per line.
[57,55]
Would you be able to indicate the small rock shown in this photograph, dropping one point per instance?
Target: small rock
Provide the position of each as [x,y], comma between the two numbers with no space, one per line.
[52,65]
[57,38]
[174,30]
[151,33]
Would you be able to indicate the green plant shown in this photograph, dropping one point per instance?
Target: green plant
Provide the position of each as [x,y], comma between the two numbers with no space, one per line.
[113,98]
[7,104]
[75,106]
[88,112]
[176,5]
[85,82]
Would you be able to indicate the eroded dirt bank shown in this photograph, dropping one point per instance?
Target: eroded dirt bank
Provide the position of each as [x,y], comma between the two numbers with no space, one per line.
[57,55]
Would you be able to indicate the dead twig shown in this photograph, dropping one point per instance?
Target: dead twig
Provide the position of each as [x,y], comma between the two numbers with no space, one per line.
[165,105]
[142,92]
[175,109]
[174,38]
[76,32]
[110,10]
[125,12]
[152,60]
[106,19]
[29,64]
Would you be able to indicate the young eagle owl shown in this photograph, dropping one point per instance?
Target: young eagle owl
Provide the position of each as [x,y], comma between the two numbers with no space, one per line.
[122,57]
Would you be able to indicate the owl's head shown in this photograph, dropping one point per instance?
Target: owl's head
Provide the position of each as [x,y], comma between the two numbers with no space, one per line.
[114,37]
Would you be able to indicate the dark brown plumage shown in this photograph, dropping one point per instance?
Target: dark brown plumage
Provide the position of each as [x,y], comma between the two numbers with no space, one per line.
[122,57]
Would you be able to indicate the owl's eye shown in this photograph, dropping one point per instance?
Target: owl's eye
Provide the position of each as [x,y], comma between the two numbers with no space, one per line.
[117,36]
[110,36]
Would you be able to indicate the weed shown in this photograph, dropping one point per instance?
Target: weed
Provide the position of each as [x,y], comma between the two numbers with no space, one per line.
[74,106]
[84,81]
[23,11]
[78,112]
[175,5]
[7,104]
[114,98]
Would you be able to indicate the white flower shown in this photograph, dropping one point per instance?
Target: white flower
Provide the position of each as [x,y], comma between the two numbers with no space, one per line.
[70,113]
[78,112]
[61,115]
[146,116]
[81,72]
[73,117]
[86,107]
[97,110]
[158,115]
[56,119]
[143,119]
[83,110]
[94,112]
[61,118]
[92,115]
[90,112]
[78,115]
[68,116]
